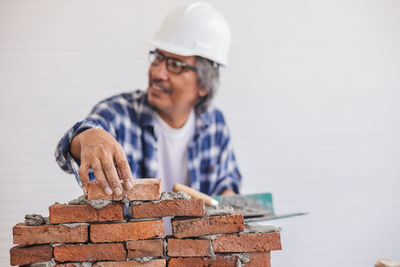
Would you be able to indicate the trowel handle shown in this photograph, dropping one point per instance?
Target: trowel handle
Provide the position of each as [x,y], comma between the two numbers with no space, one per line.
[209,201]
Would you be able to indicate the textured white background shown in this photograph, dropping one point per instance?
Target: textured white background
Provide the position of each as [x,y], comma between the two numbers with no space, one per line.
[311,96]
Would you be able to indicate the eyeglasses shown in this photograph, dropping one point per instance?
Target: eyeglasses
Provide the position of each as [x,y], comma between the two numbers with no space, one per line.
[173,65]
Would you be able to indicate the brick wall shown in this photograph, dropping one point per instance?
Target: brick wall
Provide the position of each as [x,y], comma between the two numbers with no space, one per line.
[79,234]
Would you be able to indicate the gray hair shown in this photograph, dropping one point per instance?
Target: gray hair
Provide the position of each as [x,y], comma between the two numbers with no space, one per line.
[207,78]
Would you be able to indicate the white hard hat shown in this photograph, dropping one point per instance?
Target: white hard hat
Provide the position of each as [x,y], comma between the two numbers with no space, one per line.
[196,29]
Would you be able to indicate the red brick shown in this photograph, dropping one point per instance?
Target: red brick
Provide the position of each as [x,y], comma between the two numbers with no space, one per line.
[145,248]
[260,259]
[65,265]
[151,263]
[218,261]
[255,260]
[178,207]
[85,213]
[143,189]
[27,255]
[247,242]
[42,234]
[126,231]
[208,226]
[188,247]
[90,252]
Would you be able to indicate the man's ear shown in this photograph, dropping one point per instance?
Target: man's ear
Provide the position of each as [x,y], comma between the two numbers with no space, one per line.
[203,92]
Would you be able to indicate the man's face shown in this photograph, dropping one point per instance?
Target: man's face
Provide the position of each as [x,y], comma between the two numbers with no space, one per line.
[169,92]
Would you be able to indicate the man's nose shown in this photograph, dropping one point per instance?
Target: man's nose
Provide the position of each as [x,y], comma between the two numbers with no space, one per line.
[160,71]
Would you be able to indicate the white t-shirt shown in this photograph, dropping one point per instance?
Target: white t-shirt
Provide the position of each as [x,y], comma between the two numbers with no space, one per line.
[172,151]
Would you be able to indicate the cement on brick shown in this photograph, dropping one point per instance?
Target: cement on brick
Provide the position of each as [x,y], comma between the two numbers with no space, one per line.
[211,249]
[244,205]
[174,195]
[164,196]
[153,263]
[73,225]
[165,243]
[243,257]
[50,263]
[136,202]
[77,264]
[143,259]
[210,237]
[83,264]
[97,204]
[144,219]
[259,228]
[212,211]
[34,219]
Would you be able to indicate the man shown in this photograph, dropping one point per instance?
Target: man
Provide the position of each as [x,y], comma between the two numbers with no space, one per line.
[170,131]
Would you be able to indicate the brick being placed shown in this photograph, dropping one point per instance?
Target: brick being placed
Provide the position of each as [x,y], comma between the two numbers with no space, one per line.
[143,189]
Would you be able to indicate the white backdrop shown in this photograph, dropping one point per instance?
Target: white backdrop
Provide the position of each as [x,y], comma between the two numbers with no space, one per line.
[311,97]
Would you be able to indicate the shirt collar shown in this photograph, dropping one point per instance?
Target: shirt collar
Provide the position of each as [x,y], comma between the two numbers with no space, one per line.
[203,120]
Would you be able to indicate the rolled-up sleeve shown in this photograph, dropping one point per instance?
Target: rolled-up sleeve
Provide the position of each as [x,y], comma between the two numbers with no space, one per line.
[102,116]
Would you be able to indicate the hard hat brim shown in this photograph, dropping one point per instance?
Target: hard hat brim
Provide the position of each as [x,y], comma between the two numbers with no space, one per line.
[166,46]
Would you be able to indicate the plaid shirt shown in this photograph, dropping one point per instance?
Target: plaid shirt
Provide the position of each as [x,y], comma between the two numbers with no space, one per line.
[129,118]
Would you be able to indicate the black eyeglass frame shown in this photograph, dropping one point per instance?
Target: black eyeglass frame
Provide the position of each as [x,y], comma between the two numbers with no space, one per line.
[168,61]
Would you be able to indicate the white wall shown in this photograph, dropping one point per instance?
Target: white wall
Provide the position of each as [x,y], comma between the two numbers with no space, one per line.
[311,96]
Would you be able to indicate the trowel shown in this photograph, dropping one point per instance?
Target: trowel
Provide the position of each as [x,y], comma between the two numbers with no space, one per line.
[254,207]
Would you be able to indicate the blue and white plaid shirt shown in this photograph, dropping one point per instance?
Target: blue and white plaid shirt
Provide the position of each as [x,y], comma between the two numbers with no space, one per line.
[129,118]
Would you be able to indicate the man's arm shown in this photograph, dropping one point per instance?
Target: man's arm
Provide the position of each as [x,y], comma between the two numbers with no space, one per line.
[97,149]
[92,144]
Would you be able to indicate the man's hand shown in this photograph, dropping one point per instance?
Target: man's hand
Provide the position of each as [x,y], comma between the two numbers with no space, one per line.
[98,149]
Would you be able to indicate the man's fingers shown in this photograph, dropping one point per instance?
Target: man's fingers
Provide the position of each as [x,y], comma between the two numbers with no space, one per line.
[111,174]
[98,148]
[124,171]
[84,175]
[101,178]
